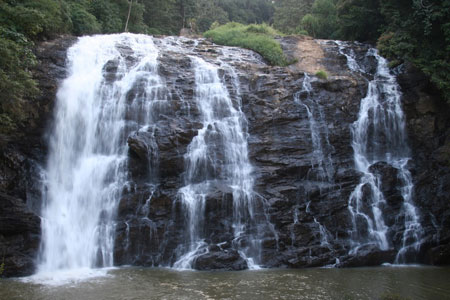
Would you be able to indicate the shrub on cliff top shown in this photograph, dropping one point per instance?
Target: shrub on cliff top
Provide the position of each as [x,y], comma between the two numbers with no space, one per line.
[259,38]
[322,74]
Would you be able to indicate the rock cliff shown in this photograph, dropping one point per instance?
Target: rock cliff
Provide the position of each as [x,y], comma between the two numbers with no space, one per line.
[22,157]
[302,201]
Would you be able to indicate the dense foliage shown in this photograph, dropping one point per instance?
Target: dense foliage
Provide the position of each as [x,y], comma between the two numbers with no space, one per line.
[169,16]
[25,22]
[417,31]
[259,38]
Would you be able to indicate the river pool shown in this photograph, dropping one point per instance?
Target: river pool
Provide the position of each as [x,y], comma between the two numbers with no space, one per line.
[141,283]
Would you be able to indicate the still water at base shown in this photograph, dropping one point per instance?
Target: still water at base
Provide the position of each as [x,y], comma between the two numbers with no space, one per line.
[139,283]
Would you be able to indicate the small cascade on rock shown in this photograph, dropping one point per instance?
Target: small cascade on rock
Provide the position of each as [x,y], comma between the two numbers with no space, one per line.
[217,162]
[379,142]
[324,234]
[321,160]
[111,91]
[322,170]
[349,53]
[413,231]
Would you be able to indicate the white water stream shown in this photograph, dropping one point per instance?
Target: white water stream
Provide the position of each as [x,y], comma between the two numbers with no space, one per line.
[379,136]
[86,168]
[321,159]
[217,155]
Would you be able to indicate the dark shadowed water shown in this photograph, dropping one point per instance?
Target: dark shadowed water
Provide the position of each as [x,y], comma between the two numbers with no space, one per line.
[138,283]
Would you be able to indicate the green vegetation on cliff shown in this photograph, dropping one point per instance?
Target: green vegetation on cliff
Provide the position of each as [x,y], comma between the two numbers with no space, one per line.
[259,38]
[25,22]
[417,31]
[322,74]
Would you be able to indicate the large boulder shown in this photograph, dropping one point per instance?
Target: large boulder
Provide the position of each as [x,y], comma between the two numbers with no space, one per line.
[228,259]
[19,236]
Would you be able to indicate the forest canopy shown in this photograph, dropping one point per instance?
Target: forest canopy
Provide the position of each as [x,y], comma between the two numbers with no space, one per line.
[417,31]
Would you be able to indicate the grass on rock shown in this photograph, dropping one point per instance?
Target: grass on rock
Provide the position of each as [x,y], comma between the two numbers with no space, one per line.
[257,37]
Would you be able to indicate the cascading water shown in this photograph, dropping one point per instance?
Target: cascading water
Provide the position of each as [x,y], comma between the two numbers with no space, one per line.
[324,234]
[413,230]
[322,170]
[321,160]
[88,150]
[217,155]
[114,96]
[379,136]
[351,61]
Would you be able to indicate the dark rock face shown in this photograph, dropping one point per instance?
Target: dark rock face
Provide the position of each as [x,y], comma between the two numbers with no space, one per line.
[369,256]
[309,215]
[305,200]
[228,260]
[428,125]
[22,155]
[19,236]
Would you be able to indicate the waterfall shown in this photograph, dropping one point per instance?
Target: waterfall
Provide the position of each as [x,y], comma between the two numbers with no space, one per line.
[217,155]
[87,162]
[379,136]
[114,101]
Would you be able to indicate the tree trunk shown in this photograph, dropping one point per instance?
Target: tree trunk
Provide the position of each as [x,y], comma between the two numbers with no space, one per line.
[128,17]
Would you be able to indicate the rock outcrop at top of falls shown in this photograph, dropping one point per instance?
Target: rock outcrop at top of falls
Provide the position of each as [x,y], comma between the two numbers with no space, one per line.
[298,130]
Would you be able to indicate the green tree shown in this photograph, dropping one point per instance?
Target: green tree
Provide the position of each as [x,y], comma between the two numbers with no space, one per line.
[359,19]
[209,12]
[56,16]
[135,18]
[83,22]
[309,25]
[248,11]
[419,31]
[289,14]
[16,82]
[162,16]
[108,15]
[187,10]
[322,22]
[29,22]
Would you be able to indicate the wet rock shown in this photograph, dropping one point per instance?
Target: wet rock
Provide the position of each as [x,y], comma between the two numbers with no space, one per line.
[387,174]
[19,236]
[22,155]
[439,255]
[389,183]
[229,260]
[428,131]
[141,144]
[369,256]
